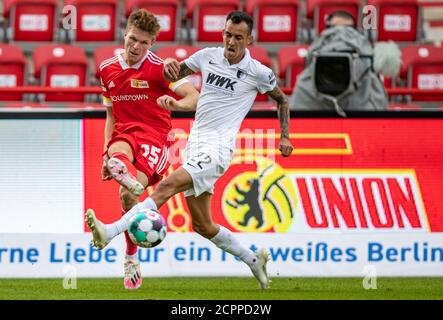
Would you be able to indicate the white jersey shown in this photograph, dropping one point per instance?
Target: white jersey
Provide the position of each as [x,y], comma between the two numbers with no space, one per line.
[227,94]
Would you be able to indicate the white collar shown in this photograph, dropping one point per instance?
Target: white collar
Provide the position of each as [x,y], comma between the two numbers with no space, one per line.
[123,63]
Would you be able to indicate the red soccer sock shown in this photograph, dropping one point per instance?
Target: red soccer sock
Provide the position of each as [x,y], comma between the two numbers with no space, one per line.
[124,158]
[131,247]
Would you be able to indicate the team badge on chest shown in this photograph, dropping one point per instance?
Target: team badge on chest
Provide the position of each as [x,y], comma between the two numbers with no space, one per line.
[141,84]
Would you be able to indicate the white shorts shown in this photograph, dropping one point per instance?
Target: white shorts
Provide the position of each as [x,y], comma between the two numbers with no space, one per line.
[205,164]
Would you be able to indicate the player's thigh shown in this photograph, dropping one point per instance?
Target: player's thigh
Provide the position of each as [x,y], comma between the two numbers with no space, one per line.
[123,147]
[200,208]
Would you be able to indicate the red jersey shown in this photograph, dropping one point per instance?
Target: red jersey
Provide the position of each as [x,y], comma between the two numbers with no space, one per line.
[133,91]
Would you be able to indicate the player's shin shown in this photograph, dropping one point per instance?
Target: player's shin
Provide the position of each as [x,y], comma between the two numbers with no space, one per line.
[226,241]
[131,247]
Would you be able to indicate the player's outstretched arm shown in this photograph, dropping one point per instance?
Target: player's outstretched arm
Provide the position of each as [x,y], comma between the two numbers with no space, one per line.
[285,146]
[174,71]
[187,103]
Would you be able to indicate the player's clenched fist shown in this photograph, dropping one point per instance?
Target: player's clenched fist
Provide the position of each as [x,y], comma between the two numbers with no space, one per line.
[171,69]
[167,102]
[285,147]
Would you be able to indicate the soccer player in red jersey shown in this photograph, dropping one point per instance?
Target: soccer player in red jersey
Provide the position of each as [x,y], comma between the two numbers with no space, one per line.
[137,127]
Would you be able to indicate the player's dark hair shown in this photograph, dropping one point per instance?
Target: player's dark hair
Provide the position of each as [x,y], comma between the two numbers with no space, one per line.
[240,16]
[340,14]
[144,20]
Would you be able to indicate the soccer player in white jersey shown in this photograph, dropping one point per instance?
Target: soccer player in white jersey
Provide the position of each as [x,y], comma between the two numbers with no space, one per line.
[231,80]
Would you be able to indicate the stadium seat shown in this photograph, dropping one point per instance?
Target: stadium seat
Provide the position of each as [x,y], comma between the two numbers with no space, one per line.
[30,20]
[12,69]
[168,12]
[208,18]
[96,20]
[275,20]
[319,10]
[58,65]
[291,61]
[422,66]
[178,52]
[260,54]
[103,53]
[397,20]
[181,53]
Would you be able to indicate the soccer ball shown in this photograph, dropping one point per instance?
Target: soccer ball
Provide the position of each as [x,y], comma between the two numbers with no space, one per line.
[147,228]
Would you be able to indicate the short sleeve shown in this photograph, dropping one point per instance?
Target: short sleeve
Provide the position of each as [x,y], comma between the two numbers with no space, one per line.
[266,80]
[107,102]
[194,62]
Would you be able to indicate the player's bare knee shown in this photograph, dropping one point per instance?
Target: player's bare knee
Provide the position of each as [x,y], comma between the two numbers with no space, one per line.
[127,199]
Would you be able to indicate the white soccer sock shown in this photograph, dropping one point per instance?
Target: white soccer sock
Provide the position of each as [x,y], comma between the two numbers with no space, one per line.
[226,241]
[120,226]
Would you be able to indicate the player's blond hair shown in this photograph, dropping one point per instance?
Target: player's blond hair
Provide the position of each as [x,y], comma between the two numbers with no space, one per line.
[145,21]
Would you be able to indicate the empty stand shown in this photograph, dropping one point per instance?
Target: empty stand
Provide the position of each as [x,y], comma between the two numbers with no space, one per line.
[275,20]
[260,54]
[423,68]
[291,61]
[30,20]
[12,69]
[168,13]
[208,18]
[178,52]
[96,20]
[319,10]
[397,20]
[58,65]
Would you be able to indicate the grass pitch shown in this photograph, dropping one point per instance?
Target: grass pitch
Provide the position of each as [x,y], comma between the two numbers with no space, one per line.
[224,289]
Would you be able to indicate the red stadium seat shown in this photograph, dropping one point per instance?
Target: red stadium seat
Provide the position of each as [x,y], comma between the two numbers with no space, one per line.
[168,12]
[181,53]
[59,65]
[31,20]
[319,10]
[275,20]
[178,52]
[12,69]
[423,67]
[291,61]
[260,54]
[103,53]
[209,17]
[96,20]
[398,20]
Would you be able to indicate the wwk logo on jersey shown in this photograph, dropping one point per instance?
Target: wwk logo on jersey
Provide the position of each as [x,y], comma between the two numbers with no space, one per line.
[220,82]
[139,84]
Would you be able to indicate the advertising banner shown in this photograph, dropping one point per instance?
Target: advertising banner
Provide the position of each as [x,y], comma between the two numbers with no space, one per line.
[345,176]
[356,193]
